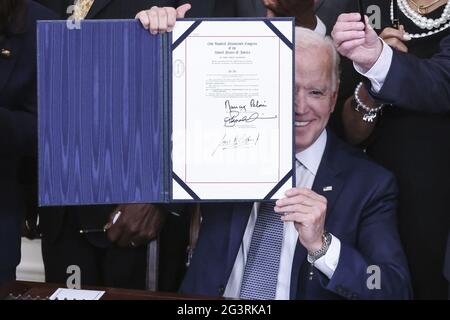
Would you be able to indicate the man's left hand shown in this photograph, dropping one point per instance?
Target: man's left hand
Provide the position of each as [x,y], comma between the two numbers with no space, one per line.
[307,210]
[137,224]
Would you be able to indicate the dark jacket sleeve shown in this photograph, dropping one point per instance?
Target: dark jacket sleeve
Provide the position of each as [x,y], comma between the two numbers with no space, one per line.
[376,267]
[419,84]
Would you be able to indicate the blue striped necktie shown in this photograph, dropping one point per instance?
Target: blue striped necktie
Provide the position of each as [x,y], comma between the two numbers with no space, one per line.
[263,260]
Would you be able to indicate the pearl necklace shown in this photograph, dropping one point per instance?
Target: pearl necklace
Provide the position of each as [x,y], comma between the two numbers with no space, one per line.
[439,24]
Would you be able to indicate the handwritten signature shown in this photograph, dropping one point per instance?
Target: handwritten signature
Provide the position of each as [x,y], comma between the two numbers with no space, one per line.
[237,107]
[236,142]
[255,104]
[236,117]
[233,107]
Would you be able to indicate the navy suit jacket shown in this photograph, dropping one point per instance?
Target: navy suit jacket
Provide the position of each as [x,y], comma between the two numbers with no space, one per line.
[361,213]
[18,133]
[419,84]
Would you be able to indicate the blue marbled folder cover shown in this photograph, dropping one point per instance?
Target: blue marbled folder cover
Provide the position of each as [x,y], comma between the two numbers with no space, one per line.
[100,117]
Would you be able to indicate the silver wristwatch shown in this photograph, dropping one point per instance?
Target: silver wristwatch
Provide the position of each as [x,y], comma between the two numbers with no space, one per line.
[314,256]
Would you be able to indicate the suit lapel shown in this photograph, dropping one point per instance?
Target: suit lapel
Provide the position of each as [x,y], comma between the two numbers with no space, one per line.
[97,7]
[328,184]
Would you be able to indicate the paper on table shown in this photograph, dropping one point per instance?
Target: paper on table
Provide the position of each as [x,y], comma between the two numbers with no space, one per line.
[74,294]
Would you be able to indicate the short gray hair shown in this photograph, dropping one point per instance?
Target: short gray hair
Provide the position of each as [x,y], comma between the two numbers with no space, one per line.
[306,39]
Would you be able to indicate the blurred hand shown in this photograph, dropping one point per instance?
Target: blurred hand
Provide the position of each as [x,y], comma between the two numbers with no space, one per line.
[356,40]
[160,20]
[302,10]
[307,210]
[137,225]
[395,38]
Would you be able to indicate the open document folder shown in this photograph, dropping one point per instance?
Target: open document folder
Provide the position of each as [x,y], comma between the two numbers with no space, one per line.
[203,113]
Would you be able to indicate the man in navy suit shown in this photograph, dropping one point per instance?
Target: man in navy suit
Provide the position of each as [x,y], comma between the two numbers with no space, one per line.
[339,234]
[391,73]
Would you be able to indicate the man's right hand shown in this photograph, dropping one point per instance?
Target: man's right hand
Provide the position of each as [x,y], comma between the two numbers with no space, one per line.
[160,20]
[356,40]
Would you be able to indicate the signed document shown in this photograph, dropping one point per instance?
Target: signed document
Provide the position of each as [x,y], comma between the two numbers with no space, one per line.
[204,113]
[232,109]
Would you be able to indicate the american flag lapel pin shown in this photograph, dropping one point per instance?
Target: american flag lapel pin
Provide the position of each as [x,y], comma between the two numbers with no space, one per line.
[328,189]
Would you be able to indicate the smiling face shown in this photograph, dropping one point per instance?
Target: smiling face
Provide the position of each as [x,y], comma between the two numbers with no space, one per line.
[315,95]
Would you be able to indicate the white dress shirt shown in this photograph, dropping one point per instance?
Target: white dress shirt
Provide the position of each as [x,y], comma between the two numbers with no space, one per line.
[378,73]
[320,27]
[310,160]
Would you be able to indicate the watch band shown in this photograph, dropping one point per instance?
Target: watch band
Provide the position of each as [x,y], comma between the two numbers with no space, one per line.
[316,255]
[313,256]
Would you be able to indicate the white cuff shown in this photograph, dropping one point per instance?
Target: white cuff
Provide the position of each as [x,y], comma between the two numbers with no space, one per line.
[329,262]
[378,73]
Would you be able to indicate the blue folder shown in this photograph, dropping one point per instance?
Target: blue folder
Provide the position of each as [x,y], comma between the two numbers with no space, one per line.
[104,114]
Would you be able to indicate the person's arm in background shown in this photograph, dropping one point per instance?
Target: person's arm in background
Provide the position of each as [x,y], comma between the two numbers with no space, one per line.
[417,84]
[395,77]
[355,128]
